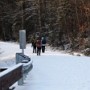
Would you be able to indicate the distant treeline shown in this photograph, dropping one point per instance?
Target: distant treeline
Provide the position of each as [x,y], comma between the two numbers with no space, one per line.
[62,21]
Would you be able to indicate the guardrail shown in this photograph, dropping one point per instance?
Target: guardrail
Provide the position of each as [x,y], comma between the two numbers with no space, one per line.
[10,76]
[27,65]
[16,73]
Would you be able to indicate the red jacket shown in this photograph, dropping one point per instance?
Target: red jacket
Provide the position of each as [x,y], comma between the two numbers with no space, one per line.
[38,43]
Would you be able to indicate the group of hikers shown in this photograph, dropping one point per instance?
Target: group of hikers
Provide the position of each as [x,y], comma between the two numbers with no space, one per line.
[38,44]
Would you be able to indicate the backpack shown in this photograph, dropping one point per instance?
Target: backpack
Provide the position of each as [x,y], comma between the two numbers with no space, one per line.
[38,43]
[34,42]
[44,40]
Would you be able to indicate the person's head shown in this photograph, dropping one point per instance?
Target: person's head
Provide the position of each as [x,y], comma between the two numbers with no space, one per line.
[38,38]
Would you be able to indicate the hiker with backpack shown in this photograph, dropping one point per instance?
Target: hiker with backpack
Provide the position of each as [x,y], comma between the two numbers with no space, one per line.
[38,45]
[34,45]
[43,44]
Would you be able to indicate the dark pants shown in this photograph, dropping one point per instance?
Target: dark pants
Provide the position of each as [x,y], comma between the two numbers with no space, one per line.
[34,49]
[38,50]
[43,49]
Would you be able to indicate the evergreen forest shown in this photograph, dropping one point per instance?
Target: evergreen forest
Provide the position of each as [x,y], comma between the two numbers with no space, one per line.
[63,22]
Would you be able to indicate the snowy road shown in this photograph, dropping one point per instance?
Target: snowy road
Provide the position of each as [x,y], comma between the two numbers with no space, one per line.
[52,70]
[56,72]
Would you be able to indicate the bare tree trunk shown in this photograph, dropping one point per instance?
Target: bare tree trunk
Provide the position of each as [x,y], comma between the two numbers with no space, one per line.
[77,13]
[39,14]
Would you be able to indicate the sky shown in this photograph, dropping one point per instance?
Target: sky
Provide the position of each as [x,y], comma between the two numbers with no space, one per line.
[53,70]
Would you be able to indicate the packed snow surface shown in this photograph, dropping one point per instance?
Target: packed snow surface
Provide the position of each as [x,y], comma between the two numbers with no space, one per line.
[53,70]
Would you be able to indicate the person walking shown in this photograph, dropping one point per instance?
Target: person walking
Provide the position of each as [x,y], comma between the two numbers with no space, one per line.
[38,45]
[43,44]
[34,45]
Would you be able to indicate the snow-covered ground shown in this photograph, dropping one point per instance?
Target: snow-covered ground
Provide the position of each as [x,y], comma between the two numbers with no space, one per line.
[53,70]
